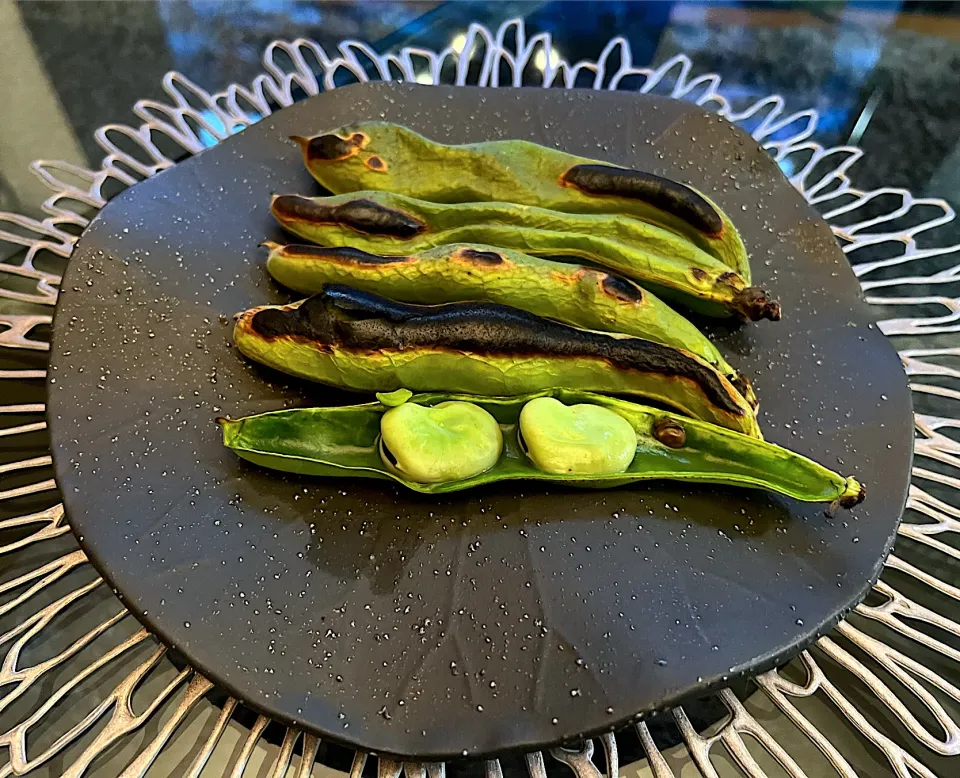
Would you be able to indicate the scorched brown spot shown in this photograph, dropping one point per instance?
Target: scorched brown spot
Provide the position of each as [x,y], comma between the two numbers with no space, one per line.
[331,148]
[670,433]
[376,163]
[670,196]
[731,279]
[741,384]
[699,274]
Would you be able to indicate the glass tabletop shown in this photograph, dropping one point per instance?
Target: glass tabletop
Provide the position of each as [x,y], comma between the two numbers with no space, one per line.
[883,75]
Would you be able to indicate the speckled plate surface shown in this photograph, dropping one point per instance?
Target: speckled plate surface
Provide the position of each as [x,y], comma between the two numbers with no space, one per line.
[499,619]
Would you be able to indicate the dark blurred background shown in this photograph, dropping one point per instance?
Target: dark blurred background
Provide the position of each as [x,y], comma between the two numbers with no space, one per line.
[884,75]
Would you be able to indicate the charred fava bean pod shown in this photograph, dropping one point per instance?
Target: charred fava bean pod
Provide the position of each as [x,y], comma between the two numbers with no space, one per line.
[344,441]
[360,341]
[668,265]
[391,158]
[582,439]
[573,294]
[448,441]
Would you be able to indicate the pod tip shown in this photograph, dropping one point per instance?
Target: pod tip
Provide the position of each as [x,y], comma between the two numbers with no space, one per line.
[300,141]
[269,245]
[221,420]
[753,304]
[853,493]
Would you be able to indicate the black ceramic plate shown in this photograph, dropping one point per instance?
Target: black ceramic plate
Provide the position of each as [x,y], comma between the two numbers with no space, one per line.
[499,619]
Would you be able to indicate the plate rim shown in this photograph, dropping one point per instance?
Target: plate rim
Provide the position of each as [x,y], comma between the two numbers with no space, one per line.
[769,661]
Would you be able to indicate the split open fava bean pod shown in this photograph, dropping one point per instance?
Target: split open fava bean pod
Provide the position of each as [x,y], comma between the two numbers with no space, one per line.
[348,441]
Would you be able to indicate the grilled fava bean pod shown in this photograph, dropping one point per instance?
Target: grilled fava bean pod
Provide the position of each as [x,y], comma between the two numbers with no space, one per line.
[388,157]
[580,296]
[358,340]
[345,441]
[668,265]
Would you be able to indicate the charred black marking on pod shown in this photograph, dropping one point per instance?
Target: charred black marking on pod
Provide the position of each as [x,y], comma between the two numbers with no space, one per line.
[670,433]
[360,215]
[670,196]
[342,254]
[330,147]
[345,318]
[621,289]
[486,258]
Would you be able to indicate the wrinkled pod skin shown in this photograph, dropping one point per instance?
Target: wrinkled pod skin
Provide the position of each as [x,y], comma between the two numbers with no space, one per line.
[388,157]
[388,224]
[576,295]
[343,441]
[360,341]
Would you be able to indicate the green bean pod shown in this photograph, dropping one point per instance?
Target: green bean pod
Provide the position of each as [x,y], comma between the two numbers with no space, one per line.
[388,157]
[344,441]
[668,265]
[581,296]
[358,340]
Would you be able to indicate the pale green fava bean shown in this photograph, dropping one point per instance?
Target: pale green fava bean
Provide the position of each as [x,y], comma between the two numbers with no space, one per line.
[581,439]
[446,442]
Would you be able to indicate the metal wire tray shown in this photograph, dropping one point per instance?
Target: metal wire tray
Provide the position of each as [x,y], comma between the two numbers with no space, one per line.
[84,690]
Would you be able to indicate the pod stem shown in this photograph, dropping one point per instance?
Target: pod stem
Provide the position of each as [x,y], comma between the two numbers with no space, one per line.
[853,493]
[753,304]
